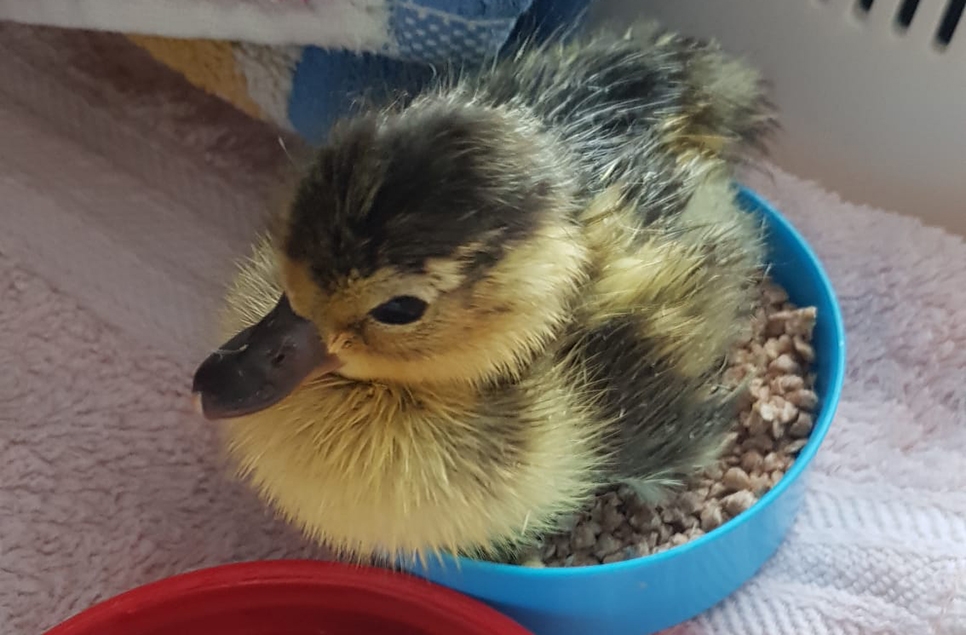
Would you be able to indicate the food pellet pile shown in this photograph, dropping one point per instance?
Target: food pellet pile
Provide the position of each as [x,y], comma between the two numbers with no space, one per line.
[776,417]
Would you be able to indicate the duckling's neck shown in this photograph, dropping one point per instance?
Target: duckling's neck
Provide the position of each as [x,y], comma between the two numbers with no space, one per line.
[408,394]
[462,390]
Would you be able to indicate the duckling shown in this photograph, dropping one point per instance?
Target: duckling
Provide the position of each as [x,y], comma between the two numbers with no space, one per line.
[486,302]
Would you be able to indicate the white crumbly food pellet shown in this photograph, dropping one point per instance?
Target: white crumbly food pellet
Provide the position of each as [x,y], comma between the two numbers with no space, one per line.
[776,418]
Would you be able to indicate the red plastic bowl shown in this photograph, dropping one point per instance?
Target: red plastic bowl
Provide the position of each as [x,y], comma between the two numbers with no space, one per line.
[290,597]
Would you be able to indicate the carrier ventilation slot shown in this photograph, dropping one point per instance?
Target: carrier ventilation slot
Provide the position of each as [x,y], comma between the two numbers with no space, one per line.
[954,11]
[907,10]
[945,29]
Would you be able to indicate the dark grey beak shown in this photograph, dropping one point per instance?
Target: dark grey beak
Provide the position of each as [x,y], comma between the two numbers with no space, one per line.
[261,366]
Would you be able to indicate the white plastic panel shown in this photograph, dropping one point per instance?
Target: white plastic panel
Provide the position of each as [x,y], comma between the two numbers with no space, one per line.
[870,108]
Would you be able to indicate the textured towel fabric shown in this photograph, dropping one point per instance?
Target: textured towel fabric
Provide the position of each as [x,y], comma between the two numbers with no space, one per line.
[402,28]
[124,193]
[301,63]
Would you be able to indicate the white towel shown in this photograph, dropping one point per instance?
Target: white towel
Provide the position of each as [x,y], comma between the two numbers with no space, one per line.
[401,28]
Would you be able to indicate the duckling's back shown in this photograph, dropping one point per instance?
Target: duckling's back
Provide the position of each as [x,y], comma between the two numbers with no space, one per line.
[652,110]
[653,124]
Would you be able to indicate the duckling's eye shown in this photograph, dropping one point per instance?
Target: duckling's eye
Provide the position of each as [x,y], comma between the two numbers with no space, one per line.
[404,309]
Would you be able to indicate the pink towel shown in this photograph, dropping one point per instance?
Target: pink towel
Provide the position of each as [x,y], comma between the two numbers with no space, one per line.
[122,194]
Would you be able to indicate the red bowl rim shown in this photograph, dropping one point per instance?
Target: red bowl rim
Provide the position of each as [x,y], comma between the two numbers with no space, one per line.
[279,574]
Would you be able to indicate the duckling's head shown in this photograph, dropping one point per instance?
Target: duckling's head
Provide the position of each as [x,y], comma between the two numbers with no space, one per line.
[432,245]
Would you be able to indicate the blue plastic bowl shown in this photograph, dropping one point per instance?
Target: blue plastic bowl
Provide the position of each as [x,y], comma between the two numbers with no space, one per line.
[652,593]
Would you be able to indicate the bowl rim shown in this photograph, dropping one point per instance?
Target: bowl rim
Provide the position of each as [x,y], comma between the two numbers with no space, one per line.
[279,574]
[807,453]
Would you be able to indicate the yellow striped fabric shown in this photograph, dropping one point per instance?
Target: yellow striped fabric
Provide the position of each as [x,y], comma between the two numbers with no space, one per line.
[207,64]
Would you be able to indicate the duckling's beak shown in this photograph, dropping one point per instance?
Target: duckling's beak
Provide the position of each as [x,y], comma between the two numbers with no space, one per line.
[261,365]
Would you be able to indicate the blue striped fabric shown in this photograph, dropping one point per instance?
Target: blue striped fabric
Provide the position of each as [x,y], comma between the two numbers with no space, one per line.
[421,33]
[454,30]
